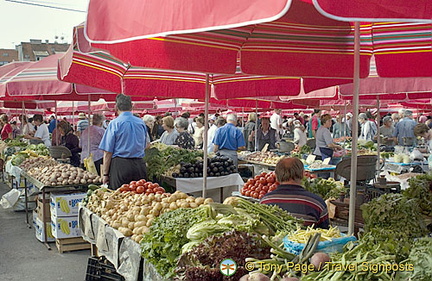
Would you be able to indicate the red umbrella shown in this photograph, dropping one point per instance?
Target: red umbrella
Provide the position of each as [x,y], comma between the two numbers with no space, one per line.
[279,38]
[101,70]
[376,10]
[38,80]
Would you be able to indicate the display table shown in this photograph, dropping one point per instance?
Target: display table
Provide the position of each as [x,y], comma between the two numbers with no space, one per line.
[195,185]
[121,251]
[43,189]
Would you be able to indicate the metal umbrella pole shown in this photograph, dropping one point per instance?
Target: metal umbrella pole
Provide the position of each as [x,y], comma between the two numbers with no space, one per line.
[378,120]
[205,141]
[353,186]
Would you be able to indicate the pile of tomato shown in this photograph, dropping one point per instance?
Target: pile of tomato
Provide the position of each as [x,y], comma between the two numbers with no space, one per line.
[142,186]
[260,185]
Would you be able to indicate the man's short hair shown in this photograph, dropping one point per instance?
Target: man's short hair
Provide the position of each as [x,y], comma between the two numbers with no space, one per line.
[407,113]
[289,168]
[231,117]
[220,121]
[38,117]
[387,118]
[123,102]
[97,119]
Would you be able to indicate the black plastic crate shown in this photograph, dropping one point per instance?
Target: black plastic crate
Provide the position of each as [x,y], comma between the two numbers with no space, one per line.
[100,269]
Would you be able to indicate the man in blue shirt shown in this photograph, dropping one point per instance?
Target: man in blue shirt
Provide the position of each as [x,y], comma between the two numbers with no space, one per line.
[228,139]
[404,129]
[123,144]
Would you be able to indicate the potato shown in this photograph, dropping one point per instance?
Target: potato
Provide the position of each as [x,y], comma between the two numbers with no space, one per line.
[149,222]
[124,222]
[140,224]
[199,200]
[208,200]
[116,224]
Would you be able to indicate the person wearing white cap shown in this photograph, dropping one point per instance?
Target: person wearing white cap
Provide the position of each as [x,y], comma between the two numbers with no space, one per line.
[82,124]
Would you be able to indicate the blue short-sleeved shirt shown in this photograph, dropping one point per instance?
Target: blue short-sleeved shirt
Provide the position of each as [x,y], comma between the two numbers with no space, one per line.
[229,137]
[125,137]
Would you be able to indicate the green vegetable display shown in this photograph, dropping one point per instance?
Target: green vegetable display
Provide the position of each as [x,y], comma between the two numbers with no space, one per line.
[275,218]
[162,245]
[395,212]
[421,259]
[358,262]
[202,262]
[162,157]
[420,187]
[326,188]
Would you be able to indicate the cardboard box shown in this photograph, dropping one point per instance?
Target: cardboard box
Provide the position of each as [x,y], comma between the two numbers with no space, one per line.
[65,227]
[63,205]
[46,217]
[39,229]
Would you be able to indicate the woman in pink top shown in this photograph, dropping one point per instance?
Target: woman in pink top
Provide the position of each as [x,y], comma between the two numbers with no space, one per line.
[6,132]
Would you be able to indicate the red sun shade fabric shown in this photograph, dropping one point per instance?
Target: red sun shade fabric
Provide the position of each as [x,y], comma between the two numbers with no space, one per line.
[288,38]
[376,10]
[38,81]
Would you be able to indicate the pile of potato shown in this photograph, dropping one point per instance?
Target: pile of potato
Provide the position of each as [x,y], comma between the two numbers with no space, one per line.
[37,162]
[63,174]
[132,214]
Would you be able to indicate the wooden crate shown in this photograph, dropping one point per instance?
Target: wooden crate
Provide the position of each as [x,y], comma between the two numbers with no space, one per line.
[72,244]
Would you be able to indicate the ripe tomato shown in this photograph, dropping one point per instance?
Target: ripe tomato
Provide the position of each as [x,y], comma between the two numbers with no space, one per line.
[140,183]
[254,194]
[132,187]
[247,193]
[253,187]
[263,174]
[124,188]
[265,188]
[140,189]
[159,192]
[133,182]
[271,179]
[146,185]
[272,187]
[261,195]
[250,181]
[149,190]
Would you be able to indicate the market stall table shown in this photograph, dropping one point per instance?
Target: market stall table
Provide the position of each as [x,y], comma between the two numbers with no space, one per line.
[191,185]
[330,169]
[43,188]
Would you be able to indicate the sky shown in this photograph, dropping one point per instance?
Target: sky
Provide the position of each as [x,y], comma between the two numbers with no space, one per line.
[22,22]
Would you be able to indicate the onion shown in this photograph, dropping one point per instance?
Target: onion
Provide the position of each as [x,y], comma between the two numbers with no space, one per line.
[319,260]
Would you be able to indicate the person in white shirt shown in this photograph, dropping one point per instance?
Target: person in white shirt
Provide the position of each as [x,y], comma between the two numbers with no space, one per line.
[210,133]
[42,132]
[276,122]
[25,127]
[300,137]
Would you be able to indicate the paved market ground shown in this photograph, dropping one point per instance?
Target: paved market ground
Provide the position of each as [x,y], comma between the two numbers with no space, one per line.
[24,258]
